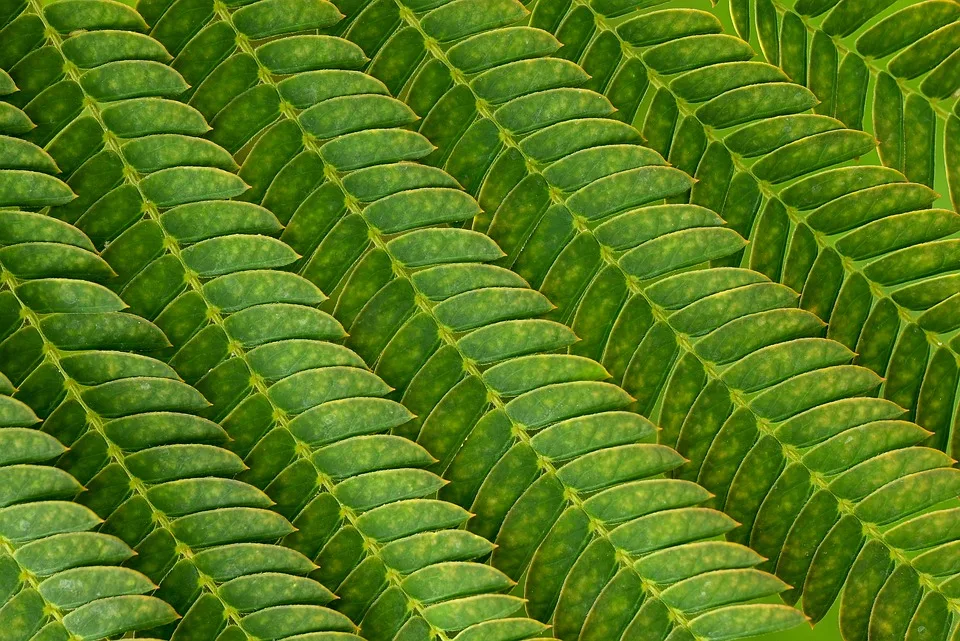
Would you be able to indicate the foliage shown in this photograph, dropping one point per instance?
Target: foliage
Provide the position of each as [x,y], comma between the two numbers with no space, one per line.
[370,320]
[860,243]
[896,64]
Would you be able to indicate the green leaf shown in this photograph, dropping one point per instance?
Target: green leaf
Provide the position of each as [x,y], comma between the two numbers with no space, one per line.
[274,17]
[118,614]
[31,189]
[79,586]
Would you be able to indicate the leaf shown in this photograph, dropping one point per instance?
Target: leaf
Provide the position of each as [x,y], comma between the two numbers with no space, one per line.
[274,17]
[137,78]
[102,617]
[31,189]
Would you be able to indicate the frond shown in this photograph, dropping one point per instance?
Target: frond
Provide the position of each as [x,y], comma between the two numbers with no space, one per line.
[132,460]
[688,346]
[901,66]
[253,342]
[435,322]
[150,468]
[783,178]
[775,173]
[446,314]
